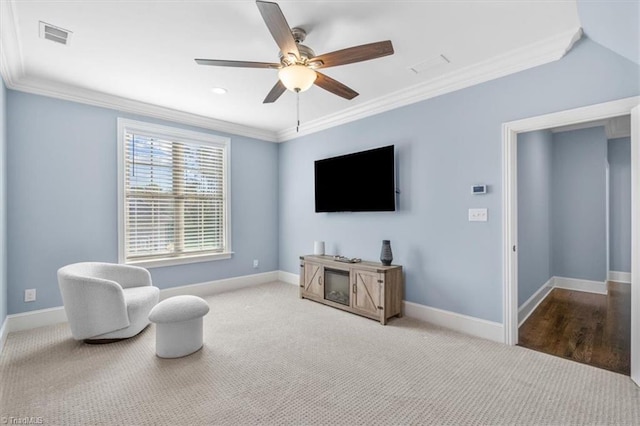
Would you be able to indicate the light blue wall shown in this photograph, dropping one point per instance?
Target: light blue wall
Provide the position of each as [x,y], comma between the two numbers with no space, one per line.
[444,145]
[579,204]
[620,204]
[534,212]
[62,203]
[3,202]
[615,24]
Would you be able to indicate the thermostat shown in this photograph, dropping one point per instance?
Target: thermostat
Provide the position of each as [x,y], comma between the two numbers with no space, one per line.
[479,189]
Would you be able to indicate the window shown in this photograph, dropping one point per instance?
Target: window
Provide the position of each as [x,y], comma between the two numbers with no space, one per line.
[172,195]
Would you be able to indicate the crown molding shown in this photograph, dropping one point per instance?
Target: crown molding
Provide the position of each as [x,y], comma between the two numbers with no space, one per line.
[529,56]
[13,72]
[11,59]
[95,98]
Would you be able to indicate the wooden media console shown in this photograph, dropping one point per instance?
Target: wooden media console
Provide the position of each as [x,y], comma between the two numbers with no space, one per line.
[365,288]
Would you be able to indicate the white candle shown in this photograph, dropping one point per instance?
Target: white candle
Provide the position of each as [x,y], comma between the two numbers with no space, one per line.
[318,247]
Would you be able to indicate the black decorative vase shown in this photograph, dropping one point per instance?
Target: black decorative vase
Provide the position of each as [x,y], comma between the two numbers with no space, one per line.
[386,256]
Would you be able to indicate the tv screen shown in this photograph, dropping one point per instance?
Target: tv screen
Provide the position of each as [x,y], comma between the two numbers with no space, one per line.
[359,182]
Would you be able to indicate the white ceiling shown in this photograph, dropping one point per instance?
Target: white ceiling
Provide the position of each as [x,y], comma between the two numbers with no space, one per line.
[144,51]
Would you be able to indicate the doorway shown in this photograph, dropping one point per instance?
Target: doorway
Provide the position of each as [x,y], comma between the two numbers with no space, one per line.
[510,229]
[569,179]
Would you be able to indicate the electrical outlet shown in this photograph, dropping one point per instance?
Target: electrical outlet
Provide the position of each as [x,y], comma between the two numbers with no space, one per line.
[30,295]
[255,263]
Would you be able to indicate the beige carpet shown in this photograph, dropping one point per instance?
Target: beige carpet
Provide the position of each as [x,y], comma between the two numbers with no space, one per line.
[271,358]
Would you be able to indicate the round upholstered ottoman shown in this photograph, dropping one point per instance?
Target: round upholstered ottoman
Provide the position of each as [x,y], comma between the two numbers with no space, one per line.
[178,325]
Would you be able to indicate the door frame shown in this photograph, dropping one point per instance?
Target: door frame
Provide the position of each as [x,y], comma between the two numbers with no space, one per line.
[510,132]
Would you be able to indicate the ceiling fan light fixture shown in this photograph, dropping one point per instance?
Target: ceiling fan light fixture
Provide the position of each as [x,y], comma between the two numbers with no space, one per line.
[298,62]
[315,64]
[297,78]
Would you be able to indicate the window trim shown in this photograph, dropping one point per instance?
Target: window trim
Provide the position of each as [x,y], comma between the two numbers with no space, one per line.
[183,135]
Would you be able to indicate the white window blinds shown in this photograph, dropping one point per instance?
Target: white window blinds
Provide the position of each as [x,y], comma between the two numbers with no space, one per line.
[174,197]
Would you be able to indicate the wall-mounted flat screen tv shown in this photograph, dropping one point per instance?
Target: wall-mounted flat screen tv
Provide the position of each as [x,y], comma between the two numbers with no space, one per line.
[359,182]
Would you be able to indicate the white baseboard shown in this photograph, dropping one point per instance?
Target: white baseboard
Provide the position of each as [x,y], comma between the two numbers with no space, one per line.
[458,322]
[465,324]
[598,287]
[288,277]
[462,323]
[3,334]
[219,286]
[35,319]
[50,316]
[619,277]
[532,303]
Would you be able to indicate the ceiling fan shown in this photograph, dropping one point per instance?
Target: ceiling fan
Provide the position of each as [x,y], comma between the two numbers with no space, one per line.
[298,63]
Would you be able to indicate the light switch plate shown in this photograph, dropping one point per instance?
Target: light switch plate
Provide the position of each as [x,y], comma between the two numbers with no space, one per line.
[477,215]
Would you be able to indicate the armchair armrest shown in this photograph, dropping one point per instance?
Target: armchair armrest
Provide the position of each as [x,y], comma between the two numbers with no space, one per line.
[93,306]
[126,275]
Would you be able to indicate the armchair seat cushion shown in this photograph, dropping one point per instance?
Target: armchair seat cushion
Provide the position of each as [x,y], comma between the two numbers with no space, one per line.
[139,301]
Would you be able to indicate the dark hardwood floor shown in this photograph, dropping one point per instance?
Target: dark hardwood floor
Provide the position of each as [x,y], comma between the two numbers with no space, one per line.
[589,328]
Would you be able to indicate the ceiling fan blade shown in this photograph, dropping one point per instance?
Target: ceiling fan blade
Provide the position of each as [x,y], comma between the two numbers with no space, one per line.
[334,86]
[277,24]
[239,64]
[275,93]
[350,55]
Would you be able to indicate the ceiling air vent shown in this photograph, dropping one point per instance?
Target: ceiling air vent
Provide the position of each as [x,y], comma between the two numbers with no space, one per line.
[53,33]
[430,64]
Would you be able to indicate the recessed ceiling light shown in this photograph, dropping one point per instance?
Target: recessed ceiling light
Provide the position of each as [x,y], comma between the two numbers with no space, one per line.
[219,90]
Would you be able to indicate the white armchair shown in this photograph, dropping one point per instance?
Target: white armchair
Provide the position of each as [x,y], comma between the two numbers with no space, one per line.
[106,301]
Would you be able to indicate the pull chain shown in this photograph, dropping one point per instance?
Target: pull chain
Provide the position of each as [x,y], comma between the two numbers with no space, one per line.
[298,110]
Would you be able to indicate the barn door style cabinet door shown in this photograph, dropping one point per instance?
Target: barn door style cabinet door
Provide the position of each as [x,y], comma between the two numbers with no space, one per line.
[312,278]
[367,293]
[364,288]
